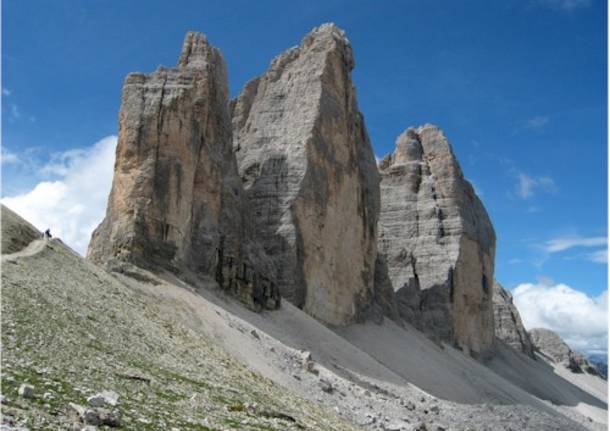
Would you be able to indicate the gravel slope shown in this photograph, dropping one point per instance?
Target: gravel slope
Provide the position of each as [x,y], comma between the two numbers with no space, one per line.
[186,357]
[72,330]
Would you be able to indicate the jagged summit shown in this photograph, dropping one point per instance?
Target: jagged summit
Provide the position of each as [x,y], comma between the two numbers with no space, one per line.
[325,38]
[308,169]
[331,33]
[196,50]
[415,143]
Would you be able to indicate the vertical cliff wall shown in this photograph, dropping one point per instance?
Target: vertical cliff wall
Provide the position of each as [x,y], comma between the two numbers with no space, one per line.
[177,200]
[310,176]
[436,242]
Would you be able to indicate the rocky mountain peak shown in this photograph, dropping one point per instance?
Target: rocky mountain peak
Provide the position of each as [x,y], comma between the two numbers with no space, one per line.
[329,36]
[196,51]
[176,201]
[308,169]
[507,321]
[436,242]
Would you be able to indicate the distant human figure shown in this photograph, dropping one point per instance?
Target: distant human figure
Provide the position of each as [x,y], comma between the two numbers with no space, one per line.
[47,233]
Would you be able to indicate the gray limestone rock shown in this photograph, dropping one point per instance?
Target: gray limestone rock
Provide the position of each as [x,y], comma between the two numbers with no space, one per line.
[552,347]
[176,200]
[436,242]
[309,173]
[26,391]
[507,322]
[103,398]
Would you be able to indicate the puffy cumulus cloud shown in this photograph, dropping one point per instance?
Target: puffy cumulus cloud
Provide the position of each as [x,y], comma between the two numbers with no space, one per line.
[581,320]
[74,201]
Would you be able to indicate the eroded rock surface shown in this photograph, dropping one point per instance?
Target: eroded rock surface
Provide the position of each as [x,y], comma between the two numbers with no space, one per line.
[436,242]
[309,173]
[176,199]
[553,348]
[507,321]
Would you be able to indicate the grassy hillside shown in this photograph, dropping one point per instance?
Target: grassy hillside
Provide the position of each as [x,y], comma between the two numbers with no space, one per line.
[72,330]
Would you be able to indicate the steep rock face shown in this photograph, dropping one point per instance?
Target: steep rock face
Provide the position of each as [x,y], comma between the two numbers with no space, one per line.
[436,241]
[309,173]
[507,322]
[176,199]
[554,349]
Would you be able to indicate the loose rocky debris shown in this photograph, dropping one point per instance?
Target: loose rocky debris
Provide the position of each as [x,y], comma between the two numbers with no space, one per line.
[26,391]
[326,386]
[104,398]
[96,416]
[308,363]
[69,330]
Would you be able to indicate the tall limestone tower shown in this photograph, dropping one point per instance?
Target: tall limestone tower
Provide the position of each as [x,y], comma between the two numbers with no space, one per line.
[177,200]
[310,176]
[436,242]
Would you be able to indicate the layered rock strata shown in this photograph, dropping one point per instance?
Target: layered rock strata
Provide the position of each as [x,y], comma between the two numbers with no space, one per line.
[309,173]
[176,200]
[507,322]
[552,347]
[436,242]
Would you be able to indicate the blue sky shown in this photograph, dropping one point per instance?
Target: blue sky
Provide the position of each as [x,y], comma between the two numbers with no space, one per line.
[519,87]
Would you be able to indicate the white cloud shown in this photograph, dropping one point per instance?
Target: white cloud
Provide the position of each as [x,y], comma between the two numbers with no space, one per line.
[565,5]
[599,256]
[6,92]
[527,185]
[564,243]
[8,158]
[74,203]
[581,320]
[545,280]
[537,123]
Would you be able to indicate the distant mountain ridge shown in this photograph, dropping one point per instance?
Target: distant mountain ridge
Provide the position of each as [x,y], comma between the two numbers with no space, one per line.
[601,363]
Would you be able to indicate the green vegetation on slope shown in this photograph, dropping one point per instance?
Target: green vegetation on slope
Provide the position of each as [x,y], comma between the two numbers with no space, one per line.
[72,330]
